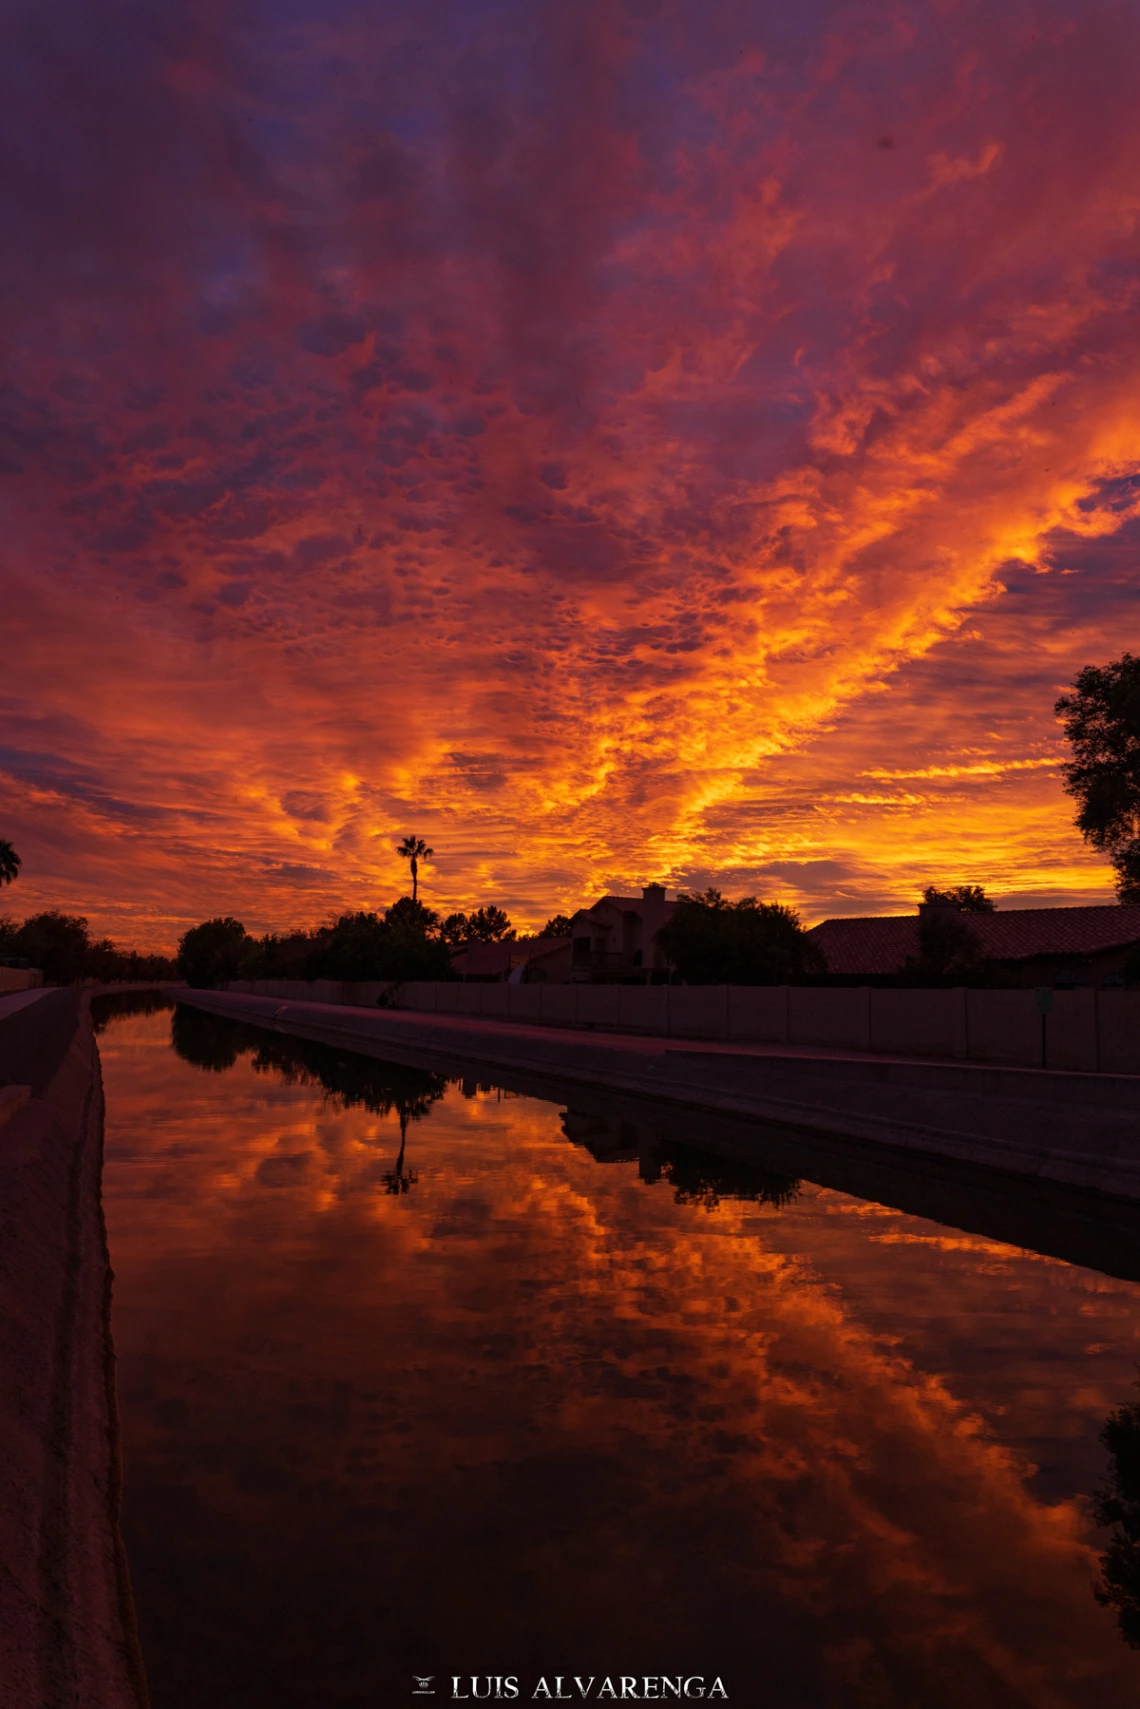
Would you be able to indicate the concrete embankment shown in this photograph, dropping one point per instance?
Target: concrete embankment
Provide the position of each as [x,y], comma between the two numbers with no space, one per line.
[67,1637]
[1077,1130]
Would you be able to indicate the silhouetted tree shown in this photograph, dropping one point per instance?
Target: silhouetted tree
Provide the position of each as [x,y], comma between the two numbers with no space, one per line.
[57,943]
[398,946]
[414,849]
[135,964]
[490,925]
[353,948]
[214,952]
[484,926]
[413,950]
[714,942]
[455,929]
[970,898]
[283,955]
[558,926]
[1118,1504]
[10,863]
[1102,722]
[408,915]
[948,949]
[103,961]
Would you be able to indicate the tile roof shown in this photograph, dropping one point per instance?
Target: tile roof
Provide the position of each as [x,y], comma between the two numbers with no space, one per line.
[487,958]
[881,943]
[498,958]
[536,948]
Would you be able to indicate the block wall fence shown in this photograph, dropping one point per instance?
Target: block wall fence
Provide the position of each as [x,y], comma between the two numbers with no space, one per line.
[1094,1031]
[20,979]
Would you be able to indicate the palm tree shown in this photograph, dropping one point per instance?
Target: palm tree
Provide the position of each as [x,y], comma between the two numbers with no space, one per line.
[401,1180]
[414,849]
[9,863]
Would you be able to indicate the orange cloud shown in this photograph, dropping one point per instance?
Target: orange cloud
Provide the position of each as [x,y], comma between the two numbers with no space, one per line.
[554,443]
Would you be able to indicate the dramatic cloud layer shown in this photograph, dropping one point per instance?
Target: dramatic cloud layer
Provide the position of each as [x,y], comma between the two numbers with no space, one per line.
[613,441]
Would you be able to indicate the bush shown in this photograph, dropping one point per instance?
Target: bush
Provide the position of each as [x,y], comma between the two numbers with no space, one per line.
[714,942]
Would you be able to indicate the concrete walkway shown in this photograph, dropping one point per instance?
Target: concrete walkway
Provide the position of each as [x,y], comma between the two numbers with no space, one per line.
[13,1000]
[1077,1130]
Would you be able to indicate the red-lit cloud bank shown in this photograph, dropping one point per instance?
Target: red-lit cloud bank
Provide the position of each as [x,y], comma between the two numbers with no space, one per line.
[612,441]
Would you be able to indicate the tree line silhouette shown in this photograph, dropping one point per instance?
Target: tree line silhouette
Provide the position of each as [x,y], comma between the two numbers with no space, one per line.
[63,948]
[407,941]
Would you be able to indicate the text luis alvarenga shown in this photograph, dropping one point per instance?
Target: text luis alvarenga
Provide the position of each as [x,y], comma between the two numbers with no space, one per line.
[623,1688]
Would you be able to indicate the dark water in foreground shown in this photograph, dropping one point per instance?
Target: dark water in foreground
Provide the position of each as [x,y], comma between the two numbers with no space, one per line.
[506,1407]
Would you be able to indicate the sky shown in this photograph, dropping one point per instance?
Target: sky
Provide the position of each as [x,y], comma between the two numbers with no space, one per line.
[616,442]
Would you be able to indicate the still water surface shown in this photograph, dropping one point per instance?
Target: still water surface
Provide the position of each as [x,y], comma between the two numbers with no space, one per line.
[544,1398]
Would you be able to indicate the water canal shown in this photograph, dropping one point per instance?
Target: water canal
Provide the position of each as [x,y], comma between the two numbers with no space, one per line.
[421,1379]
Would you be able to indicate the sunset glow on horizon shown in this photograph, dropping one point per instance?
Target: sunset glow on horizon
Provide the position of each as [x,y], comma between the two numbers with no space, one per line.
[615,442]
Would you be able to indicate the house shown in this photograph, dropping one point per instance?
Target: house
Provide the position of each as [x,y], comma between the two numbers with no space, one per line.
[614,939]
[1065,947]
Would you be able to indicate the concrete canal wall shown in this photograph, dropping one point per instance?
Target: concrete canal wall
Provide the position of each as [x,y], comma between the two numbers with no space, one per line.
[66,1622]
[1089,1031]
[1076,1129]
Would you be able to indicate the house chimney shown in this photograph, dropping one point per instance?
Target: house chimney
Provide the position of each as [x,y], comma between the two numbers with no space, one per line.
[652,919]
